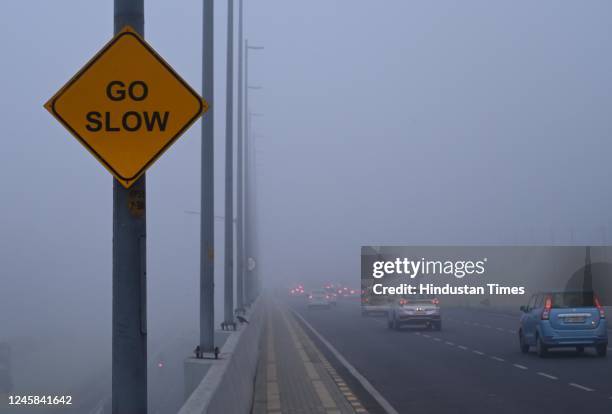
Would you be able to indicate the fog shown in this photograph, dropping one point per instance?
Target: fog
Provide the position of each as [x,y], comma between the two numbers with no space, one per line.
[383,122]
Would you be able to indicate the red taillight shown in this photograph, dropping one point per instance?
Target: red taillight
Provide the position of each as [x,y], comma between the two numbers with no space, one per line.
[602,312]
[547,308]
[402,302]
[435,301]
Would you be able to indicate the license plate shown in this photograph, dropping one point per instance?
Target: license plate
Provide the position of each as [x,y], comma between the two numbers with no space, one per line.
[575,319]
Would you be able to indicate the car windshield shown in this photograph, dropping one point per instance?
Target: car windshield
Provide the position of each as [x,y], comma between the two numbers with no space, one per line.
[572,299]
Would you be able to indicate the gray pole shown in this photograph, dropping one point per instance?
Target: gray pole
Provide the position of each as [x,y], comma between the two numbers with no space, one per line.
[207,229]
[239,172]
[129,371]
[229,167]
[247,285]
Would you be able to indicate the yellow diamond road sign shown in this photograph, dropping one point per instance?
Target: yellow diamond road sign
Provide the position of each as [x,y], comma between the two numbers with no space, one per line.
[126,106]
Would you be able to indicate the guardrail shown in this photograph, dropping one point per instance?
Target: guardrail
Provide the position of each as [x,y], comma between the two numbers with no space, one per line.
[228,383]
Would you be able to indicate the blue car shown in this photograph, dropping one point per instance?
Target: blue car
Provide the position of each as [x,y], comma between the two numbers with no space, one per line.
[563,319]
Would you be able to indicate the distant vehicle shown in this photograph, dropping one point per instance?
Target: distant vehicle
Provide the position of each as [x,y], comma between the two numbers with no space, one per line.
[6,382]
[563,319]
[297,291]
[415,310]
[333,296]
[374,304]
[319,298]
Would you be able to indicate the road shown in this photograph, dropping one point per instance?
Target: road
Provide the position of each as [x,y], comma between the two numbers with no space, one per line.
[472,366]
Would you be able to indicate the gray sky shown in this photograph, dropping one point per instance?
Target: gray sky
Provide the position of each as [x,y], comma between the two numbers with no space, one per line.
[385,122]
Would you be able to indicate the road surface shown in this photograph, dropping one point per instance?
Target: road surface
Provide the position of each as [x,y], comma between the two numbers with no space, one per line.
[472,366]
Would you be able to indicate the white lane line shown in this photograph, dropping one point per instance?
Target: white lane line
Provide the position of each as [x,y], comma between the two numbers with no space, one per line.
[519,366]
[465,348]
[500,329]
[449,343]
[478,352]
[581,387]
[498,359]
[437,339]
[487,326]
[545,375]
[427,336]
[362,380]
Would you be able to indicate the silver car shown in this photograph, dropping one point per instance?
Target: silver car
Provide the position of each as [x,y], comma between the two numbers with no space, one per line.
[318,298]
[415,310]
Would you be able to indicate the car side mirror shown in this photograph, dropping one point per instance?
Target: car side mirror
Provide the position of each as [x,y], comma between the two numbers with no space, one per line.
[524,308]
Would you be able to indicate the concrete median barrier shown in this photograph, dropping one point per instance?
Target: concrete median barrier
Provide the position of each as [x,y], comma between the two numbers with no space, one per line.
[226,385]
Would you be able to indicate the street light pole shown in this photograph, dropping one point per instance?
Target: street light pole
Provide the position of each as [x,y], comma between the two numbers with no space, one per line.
[207,229]
[229,170]
[240,173]
[249,294]
[252,197]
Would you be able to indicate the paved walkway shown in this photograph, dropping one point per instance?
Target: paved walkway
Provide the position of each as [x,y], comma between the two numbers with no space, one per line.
[293,376]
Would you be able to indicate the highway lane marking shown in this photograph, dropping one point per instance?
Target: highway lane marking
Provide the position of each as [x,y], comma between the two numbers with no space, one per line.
[511,331]
[495,358]
[545,375]
[358,376]
[581,387]
[519,366]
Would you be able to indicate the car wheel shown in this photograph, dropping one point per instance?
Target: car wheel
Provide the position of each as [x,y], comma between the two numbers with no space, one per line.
[580,349]
[389,323]
[523,343]
[602,350]
[541,348]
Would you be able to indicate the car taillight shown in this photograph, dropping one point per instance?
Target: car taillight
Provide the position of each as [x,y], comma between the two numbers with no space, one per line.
[326,296]
[602,312]
[435,301]
[309,296]
[402,302]
[547,307]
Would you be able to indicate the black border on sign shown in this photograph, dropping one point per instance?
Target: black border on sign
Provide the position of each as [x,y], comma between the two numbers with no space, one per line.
[126,31]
